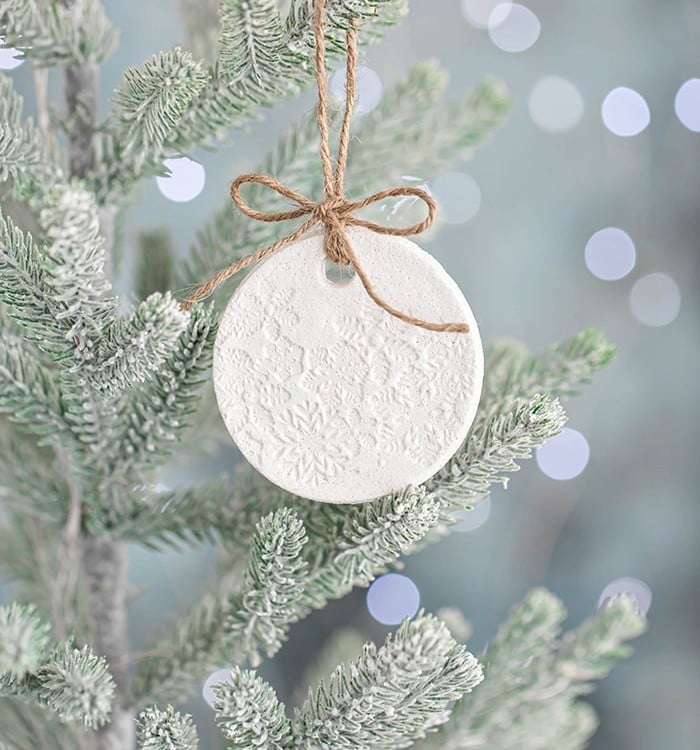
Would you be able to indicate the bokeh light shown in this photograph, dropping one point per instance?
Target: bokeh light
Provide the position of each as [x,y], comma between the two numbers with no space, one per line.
[637,589]
[392,598]
[625,112]
[478,12]
[610,254]
[513,28]
[185,182]
[9,59]
[458,197]
[215,678]
[655,300]
[564,456]
[555,104]
[368,88]
[475,518]
[687,104]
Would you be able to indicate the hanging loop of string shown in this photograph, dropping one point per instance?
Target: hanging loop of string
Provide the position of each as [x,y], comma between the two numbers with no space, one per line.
[334,212]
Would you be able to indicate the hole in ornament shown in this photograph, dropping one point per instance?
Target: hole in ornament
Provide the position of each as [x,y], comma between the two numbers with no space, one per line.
[337,273]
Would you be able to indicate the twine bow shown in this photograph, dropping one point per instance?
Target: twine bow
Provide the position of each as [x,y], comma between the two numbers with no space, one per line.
[335,212]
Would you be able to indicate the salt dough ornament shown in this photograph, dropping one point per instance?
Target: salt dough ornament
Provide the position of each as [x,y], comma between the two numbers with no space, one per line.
[328,395]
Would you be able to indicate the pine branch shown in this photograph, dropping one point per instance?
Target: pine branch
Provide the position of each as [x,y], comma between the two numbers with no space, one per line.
[342,646]
[58,33]
[533,678]
[414,676]
[236,85]
[25,161]
[22,288]
[153,98]
[493,448]
[56,295]
[249,713]
[73,269]
[150,418]
[24,640]
[512,373]
[229,236]
[233,624]
[76,685]
[133,348]
[272,583]
[24,726]
[407,133]
[496,437]
[373,17]
[73,683]
[590,652]
[29,394]
[250,40]
[40,493]
[166,730]
[353,544]
[414,131]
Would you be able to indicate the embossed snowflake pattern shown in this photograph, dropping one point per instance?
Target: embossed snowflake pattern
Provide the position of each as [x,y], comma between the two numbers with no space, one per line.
[271,311]
[314,443]
[369,390]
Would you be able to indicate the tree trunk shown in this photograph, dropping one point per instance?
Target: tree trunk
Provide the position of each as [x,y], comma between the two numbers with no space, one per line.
[104,559]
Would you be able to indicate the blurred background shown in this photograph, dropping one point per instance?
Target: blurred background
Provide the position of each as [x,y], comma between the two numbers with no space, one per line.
[581,211]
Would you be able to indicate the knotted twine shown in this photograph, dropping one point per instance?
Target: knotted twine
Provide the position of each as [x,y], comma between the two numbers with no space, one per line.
[335,212]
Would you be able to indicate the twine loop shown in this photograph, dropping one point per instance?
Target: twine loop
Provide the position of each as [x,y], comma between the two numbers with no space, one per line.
[334,211]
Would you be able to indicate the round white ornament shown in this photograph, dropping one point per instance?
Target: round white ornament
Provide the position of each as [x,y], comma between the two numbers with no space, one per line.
[328,395]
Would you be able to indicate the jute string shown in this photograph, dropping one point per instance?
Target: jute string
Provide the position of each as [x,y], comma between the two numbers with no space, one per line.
[335,212]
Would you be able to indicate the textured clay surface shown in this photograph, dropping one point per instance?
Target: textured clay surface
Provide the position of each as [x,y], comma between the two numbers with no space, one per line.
[329,396]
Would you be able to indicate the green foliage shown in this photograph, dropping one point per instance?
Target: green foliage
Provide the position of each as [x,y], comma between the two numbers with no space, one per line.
[534,676]
[71,682]
[154,97]
[39,493]
[29,392]
[72,268]
[77,685]
[237,621]
[249,42]
[249,714]
[22,289]
[166,730]
[408,133]
[24,639]
[56,293]
[152,417]
[58,33]
[414,676]
[272,584]
[493,448]
[273,61]
[135,347]
[590,651]
[415,131]
[511,371]
[352,544]
[26,163]
[23,727]
[372,15]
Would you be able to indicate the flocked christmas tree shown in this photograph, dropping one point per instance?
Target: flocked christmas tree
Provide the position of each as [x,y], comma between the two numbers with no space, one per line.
[95,401]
